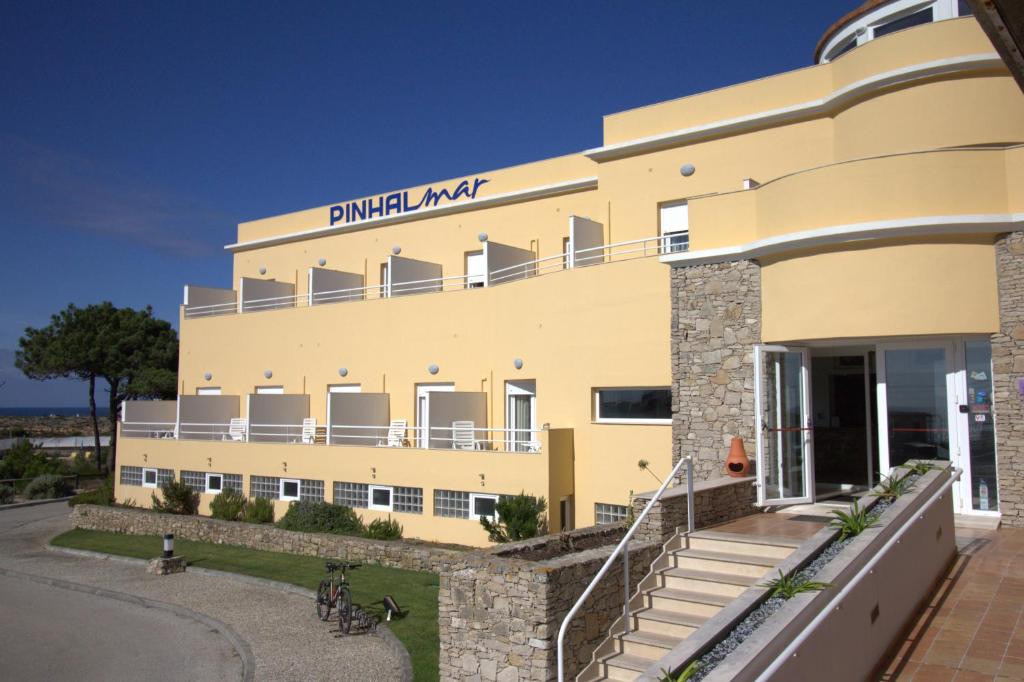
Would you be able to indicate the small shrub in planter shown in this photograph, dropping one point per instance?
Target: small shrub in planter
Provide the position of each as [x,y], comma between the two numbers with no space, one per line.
[6,494]
[178,499]
[321,517]
[228,505]
[519,517]
[259,510]
[379,529]
[47,487]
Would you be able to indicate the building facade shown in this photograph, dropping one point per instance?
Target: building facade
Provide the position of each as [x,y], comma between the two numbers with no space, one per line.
[825,263]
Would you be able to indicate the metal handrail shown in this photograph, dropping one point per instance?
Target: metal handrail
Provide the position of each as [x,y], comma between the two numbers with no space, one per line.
[623,548]
[865,570]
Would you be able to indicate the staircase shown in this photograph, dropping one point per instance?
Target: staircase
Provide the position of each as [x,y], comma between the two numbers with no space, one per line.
[694,578]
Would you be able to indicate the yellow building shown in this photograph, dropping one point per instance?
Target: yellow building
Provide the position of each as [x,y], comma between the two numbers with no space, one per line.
[821,262]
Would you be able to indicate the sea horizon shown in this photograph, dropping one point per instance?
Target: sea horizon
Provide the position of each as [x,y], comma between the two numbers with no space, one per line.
[82,411]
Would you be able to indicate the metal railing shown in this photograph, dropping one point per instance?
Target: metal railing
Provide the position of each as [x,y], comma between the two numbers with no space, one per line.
[148,429]
[204,431]
[596,255]
[866,569]
[623,549]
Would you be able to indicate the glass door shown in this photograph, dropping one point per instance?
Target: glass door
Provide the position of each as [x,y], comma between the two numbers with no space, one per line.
[785,458]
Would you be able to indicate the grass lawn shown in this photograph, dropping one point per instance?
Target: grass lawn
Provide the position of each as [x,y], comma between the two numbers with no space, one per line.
[414,591]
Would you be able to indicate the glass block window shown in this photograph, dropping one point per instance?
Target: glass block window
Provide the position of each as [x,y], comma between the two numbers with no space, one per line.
[609,513]
[355,495]
[131,475]
[265,486]
[408,500]
[233,481]
[311,491]
[164,476]
[196,480]
[451,503]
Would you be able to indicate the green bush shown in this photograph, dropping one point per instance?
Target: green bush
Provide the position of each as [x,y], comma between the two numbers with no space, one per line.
[379,529]
[22,461]
[103,496]
[259,510]
[229,505]
[6,494]
[47,487]
[321,517]
[178,499]
[519,517]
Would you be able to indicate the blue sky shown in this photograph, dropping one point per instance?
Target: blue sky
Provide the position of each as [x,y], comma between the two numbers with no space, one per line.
[135,136]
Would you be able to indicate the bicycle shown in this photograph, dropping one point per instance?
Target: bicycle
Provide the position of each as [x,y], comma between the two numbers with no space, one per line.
[336,594]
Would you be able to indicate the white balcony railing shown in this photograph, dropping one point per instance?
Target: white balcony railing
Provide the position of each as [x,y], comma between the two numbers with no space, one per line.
[589,257]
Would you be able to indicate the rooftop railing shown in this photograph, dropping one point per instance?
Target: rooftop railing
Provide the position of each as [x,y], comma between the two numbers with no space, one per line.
[588,257]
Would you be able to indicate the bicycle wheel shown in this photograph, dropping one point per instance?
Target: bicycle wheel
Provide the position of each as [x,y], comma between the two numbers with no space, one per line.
[323,600]
[345,610]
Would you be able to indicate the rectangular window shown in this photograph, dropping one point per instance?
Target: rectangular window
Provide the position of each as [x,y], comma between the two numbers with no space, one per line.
[476,269]
[268,487]
[451,504]
[214,483]
[196,480]
[164,476]
[131,475]
[233,481]
[289,489]
[270,390]
[565,253]
[355,495]
[149,478]
[609,513]
[914,19]
[633,405]
[482,505]
[208,390]
[408,500]
[674,226]
[202,482]
[380,497]
[311,491]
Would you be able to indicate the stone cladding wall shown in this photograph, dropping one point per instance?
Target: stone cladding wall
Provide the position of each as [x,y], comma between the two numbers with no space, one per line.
[715,501]
[1008,373]
[716,320]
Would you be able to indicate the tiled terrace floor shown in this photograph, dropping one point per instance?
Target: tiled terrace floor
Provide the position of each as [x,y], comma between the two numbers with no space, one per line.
[797,527]
[973,629]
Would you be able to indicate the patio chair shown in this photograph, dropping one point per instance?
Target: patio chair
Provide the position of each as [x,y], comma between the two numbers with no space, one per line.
[309,431]
[464,436]
[396,434]
[237,429]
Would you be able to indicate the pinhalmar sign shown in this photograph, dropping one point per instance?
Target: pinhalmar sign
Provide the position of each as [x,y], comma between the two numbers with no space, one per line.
[398,202]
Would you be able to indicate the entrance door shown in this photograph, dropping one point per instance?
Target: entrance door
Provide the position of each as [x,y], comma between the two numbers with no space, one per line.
[423,392]
[521,415]
[785,458]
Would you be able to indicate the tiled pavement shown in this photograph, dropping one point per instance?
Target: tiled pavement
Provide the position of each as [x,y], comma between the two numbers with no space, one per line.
[973,629]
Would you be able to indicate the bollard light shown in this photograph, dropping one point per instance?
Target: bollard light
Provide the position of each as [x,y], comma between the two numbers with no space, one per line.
[391,606]
[168,545]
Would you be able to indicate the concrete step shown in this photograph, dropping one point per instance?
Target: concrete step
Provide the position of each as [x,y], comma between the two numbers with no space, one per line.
[647,644]
[773,548]
[664,622]
[625,666]
[706,582]
[686,601]
[722,562]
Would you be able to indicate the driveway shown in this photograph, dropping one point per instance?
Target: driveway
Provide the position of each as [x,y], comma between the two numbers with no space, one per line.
[88,618]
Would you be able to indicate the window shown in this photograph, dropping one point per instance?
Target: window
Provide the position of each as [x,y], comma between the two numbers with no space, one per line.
[202,482]
[269,390]
[674,226]
[289,489]
[844,48]
[483,505]
[914,19]
[354,495]
[233,481]
[196,480]
[208,390]
[609,513]
[268,487]
[963,8]
[345,388]
[451,504]
[164,476]
[385,285]
[131,475]
[214,483]
[149,478]
[565,253]
[409,500]
[633,405]
[476,269]
[380,497]
[311,491]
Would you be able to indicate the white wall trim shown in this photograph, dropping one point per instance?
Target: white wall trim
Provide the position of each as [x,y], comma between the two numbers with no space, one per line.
[517,196]
[838,234]
[839,99]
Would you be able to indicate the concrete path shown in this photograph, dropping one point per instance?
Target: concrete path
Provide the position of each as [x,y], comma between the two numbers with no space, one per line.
[277,629]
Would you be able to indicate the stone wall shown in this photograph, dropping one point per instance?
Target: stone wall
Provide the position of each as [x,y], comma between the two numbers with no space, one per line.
[395,554]
[715,501]
[716,320]
[1008,372]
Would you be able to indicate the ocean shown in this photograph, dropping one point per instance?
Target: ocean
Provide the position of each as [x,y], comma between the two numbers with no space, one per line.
[47,411]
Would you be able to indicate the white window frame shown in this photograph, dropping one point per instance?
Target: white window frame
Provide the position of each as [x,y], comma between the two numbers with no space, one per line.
[476,279]
[214,490]
[345,388]
[270,390]
[288,498]
[598,419]
[208,390]
[156,478]
[380,507]
[862,29]
[664,231]
[473,497]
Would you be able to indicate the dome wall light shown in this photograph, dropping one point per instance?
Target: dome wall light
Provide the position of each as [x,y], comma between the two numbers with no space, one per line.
[687,170]
[433,369]
[267,373]
[322,262]
[518,363]
[263,269]
[396,250]
[482,236]
[343,371]
[208,376]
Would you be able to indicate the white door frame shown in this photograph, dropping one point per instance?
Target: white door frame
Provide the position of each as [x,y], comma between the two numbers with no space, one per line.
[423,392]
[517,388]
[805,421]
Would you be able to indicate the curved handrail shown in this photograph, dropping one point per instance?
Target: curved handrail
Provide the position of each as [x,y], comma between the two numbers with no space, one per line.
[623,548]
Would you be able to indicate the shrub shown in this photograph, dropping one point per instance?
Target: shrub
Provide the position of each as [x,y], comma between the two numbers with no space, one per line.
[22,461]
[321,517]
[259,510]
[47,487]
[853,523]
[178,499]
[891,487]
[519,517]
[103,496]
[229,505]
[379,529]
[6,494]
[788,586]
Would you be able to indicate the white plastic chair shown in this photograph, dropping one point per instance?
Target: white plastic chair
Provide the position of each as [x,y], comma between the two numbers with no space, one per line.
[396,434]
[464,436]
[309,431]
[237,429]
